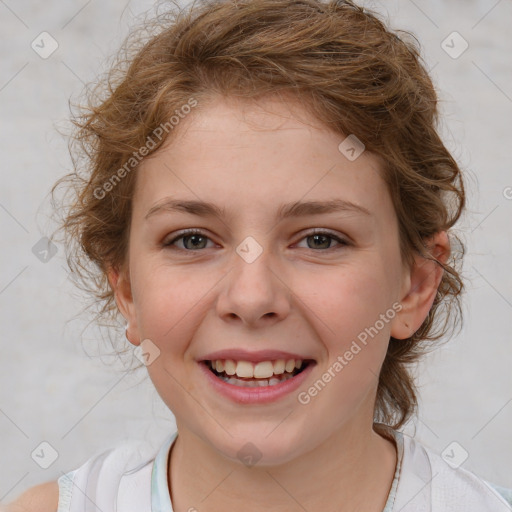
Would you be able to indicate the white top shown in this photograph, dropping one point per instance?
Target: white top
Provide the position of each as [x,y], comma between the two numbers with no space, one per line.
[125,479]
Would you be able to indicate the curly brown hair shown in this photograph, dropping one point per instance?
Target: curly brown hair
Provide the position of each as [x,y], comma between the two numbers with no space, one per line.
[346,68]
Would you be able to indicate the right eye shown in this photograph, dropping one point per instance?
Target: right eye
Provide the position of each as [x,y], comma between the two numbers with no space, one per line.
[193,239]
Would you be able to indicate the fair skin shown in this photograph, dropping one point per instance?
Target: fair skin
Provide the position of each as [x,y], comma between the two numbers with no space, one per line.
[40,498]
[297,296]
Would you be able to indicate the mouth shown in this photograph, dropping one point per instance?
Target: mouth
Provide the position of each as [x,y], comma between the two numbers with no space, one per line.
[265,374]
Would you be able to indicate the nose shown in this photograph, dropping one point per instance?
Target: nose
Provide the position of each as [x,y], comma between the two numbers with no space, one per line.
[254,292]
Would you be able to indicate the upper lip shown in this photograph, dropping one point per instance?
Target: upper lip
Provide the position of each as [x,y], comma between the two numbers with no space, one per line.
[237,354]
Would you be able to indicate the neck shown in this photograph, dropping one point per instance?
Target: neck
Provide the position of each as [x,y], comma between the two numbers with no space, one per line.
[351,470]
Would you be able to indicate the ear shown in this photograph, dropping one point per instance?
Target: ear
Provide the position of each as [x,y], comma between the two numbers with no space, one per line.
[419,287]
[119,280]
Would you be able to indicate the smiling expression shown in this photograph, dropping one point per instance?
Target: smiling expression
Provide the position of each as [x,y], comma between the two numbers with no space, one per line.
[236,174]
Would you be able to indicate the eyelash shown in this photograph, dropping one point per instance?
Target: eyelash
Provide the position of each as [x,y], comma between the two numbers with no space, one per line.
[189,232]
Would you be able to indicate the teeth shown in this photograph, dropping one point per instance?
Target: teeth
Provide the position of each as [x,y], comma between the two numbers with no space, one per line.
[261,370]
[244,369]
[230,367]
[290,365]
[255,383]
[279,366]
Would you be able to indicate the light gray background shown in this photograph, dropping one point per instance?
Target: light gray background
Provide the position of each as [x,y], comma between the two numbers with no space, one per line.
[51,390]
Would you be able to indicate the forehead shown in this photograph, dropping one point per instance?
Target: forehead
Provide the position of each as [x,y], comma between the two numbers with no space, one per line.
[244,156]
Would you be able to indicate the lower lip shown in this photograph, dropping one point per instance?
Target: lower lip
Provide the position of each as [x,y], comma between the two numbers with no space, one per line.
[256,395]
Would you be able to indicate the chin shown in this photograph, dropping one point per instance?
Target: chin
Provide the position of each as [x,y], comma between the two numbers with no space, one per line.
[255,448]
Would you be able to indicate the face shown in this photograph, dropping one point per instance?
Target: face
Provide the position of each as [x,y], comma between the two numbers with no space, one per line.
[255,276]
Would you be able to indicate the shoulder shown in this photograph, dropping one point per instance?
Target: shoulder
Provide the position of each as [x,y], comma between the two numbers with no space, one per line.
[41,498]
[503,491]
[454,487]
[123,472]
[106,477]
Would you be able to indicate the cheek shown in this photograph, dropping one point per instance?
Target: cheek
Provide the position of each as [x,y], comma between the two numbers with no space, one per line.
[168,305]
[347,308]
[348,301]
[166,301]
[345,318]
[352,314]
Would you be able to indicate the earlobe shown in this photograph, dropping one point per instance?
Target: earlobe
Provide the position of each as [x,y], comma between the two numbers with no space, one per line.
[421,283]
[121,287]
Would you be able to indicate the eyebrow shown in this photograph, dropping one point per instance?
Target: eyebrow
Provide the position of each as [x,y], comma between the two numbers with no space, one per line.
[295,209]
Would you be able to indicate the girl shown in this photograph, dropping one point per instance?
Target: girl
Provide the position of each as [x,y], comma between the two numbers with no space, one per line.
[268,205]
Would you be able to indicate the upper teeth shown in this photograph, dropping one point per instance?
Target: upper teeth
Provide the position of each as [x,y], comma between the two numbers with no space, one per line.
[261,370]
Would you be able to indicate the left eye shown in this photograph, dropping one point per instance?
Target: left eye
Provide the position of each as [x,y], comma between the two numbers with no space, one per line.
[198,238]
[321,238]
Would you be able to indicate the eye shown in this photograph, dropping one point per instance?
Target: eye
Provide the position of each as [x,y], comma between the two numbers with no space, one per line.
[192,239]
[321,239]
